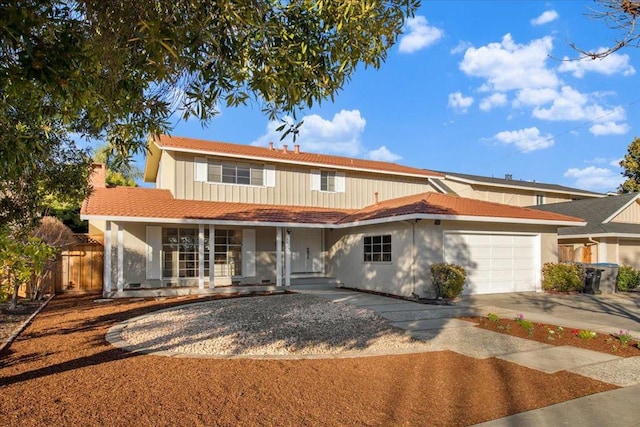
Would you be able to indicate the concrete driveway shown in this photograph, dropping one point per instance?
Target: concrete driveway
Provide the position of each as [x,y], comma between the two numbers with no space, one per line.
[606,312]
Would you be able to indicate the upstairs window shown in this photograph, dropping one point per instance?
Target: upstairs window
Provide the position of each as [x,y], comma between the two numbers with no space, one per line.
[377,248]
[327,181]
[539,199]
[235,173]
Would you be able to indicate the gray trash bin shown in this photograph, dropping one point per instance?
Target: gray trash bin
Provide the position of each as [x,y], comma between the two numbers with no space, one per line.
[609,276]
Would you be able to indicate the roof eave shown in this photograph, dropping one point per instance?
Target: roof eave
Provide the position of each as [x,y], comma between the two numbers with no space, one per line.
[520,187]
[426,175]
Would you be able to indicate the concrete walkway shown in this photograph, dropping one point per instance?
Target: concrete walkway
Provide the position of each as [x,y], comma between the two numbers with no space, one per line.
[438,325]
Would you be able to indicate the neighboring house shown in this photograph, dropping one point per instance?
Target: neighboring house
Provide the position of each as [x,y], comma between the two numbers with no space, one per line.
[508,190]
[612,233]
[225,214]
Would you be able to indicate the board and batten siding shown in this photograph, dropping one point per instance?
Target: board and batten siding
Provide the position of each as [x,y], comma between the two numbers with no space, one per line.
[293,187]
[631,215]
[504,195]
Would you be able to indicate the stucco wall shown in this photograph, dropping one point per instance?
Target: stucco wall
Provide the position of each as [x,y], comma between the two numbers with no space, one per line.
[346,262]
[629,253]
[408,272]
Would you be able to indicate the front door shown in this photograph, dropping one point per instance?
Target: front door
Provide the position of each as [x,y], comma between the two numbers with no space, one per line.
[306,251]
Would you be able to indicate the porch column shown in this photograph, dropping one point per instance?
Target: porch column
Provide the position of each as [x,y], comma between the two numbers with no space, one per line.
[120,283]
[106,274]
[278,256]
[200,256]
[287,260]
[212,241]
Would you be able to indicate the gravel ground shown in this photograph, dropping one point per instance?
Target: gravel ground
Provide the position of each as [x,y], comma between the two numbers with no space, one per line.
[279,325]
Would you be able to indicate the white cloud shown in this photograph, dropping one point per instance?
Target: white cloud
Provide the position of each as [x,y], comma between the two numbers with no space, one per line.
[495,100]
[616,162]
[614,63]
[527,140]
[535,97]
[609,128]
[510,66]
[594,178]
[571,105]
[384,155]
[460,47]
[419,34]
[340,135]
[459,102]
[545,18]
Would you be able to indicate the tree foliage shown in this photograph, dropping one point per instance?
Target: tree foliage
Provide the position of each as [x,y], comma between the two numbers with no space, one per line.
[631,165]
[116,70]
[122,174]
[619,15]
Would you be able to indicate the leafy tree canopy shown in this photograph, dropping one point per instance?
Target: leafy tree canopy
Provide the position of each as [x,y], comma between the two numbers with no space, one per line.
[631,165]
[116,70]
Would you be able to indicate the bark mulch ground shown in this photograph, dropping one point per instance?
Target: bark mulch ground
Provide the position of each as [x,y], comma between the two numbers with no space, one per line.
[61,371]
[620,344]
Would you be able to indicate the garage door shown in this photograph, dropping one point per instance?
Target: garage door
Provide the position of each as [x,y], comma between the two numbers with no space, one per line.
[495,263]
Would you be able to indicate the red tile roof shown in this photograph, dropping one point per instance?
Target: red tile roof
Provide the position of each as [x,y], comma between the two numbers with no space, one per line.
[250,151]
[442,204]
[156,203]
[160,204]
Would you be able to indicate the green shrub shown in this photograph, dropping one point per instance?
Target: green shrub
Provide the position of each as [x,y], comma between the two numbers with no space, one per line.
[562,277]
[628,278]
[448,279]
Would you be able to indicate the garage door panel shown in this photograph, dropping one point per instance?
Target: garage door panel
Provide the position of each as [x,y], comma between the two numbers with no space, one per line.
[495,263]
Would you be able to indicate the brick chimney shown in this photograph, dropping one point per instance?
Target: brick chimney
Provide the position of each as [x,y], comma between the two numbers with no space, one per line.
[297,148]
[284,148]
[98,175]
[270,145]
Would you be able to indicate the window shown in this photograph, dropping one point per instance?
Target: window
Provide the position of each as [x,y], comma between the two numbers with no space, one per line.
[180,252]
[327,181]
[377,248]
[539,199]
[235,173]
[228,252]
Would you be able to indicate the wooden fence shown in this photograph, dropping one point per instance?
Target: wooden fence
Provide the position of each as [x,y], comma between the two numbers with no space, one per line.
[79,268]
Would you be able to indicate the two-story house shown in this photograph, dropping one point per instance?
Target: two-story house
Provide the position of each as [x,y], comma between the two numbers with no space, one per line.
[223,214]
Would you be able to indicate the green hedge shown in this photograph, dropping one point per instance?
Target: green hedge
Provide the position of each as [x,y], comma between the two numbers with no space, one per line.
[628,278]
[448,279]
[562,277]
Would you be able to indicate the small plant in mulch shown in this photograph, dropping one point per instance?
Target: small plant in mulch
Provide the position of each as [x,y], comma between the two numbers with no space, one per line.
[493,318]
[624,337]
[527,325]
[585,334]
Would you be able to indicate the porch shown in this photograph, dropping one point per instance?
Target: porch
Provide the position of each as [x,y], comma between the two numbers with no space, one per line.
[200,259]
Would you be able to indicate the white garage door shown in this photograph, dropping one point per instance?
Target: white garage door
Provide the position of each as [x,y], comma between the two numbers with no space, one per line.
[495,263]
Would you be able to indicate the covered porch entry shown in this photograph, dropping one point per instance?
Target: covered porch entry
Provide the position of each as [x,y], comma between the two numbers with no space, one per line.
[204,257]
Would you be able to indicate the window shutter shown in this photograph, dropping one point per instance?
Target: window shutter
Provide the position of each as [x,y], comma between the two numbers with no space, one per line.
[315,180]
[340,182]
[154,245]
[200,169]
[269,176]
[248,253]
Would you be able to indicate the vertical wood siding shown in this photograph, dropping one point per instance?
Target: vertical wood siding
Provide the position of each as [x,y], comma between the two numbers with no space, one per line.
[293,187]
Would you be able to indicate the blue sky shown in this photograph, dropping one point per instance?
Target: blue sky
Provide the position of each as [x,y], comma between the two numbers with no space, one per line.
[478,87]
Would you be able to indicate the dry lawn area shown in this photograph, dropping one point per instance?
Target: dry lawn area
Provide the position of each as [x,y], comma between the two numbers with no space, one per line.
[61,371]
